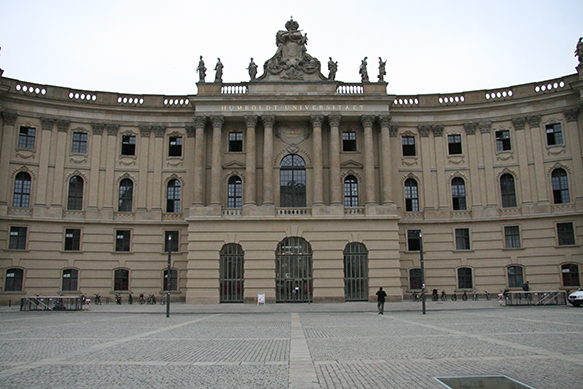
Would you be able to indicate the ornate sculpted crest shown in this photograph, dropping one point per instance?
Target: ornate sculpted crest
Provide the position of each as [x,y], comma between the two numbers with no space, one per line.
[291,61]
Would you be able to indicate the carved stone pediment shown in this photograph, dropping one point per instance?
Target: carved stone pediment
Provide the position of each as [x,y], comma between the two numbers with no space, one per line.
[234,165]
[351,164]
[291,61]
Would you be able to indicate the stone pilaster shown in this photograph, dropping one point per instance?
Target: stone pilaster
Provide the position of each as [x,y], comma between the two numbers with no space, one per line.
[367,122]
[199,124]
[386,173]
[316,121]
[268,123]
[250,160]
[216,166]
[335,181]
[8,143]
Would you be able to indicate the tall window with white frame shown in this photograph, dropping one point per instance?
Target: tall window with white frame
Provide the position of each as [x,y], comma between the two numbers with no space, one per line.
[350,191]
[126,195]
[122,241]
[464,278]
[554,134]
[462,239]
[234,192]
[175,146]
[454,144]
[512,237]
[17,238]
[72,239]
[515,276]
[128,145]
[292,176]
[14,280]
[413,240]
[408,146]
[565,234]
[22,184]
[349,141]
[171,241]
[121,280]
[507,191]
[570,272]
[458,194]
[235,142]
[26,137]
[503,140]
[75,200]
[173,196]
[411,196]
[560,186]
[70,280]
[79,144]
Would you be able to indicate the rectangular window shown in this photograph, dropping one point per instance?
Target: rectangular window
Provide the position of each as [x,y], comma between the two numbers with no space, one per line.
[413,240]
[26,137]
[503,140]
[512,237]
[235,142]
[72,239]
[565,234]
[462,238]
[171,240]
[128,145]
[79,143]
[349,141]
[175,146]
[454,143]
[17,238]
[554,134]
[408,146]
[122,240]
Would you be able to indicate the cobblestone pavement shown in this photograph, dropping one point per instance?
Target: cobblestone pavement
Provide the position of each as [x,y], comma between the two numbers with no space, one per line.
[290,346]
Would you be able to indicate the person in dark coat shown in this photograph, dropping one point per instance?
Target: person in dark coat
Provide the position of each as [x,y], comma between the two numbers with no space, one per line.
[381,295]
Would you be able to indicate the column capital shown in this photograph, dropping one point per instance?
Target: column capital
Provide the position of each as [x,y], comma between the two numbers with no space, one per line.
[145,130]
[424,130]
[159,131]
[385,120]
[470,128]
[112,129]
[393,130]
[9,117]
[316,120]
[62,125]
[485,127]
[190,131]
[199,121]
[250,121]
[268,120]
[367,120]
[334,120]
[518,123]
[47,123]
[533,121]
[97,128]
[437,129]
[217,121]
[571,114]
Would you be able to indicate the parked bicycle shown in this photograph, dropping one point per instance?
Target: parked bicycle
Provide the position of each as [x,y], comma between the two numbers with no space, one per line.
[162,298]
[454,296]
[97,299]
[443,295]
[487,295]
[475,296]
[465,296]
[142,299]
[434,295]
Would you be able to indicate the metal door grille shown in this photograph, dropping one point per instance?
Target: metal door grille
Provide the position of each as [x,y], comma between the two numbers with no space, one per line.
[355,272]
[294,271]
[232,273]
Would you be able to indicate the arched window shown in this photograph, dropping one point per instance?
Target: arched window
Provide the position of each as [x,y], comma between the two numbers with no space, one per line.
[507,191]
[293,270]
[411,196]
[121,280]
[292,181]
[560,186]
[234,193]
[173,280]
[458,194]
[515,276]
[173,196]
[232,273]
[415,279]
[21,197]
[350,192]
[126,195]
[355,272]
[70,277]
[464,278]
[75,201]
[570,274]
[14,278]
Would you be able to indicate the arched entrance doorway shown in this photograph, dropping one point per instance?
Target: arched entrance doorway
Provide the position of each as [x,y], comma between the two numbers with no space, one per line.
[232,276]
[293,267]
[355,272]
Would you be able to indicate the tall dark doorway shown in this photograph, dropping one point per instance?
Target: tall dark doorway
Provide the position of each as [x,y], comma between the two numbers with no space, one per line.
[355,272]
[232,273]
[293,267]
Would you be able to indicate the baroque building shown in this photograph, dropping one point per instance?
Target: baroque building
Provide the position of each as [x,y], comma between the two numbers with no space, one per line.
[292,185]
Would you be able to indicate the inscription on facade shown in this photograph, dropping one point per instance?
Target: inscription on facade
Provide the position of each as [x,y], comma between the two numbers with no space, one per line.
[293,107]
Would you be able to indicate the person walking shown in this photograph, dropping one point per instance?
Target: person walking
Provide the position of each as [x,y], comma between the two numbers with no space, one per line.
[381,295]
[526,288]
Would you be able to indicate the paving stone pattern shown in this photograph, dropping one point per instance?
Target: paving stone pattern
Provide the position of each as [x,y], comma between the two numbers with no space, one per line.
[289,346]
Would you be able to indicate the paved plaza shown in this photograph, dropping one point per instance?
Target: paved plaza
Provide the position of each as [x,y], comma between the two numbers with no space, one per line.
[290,346]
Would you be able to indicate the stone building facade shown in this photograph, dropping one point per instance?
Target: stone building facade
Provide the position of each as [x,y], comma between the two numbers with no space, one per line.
[292,185]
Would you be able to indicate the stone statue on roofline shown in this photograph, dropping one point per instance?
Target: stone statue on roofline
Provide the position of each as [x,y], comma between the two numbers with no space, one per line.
[579,51]
[363,70]
[291,61]
[201,69]
[219,71]
[252,69]
[382,71]
[332,68]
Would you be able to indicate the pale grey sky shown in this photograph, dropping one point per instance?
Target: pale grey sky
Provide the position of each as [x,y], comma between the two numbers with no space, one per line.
[152,47]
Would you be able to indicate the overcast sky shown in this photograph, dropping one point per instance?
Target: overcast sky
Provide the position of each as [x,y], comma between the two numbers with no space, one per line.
[152,47]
